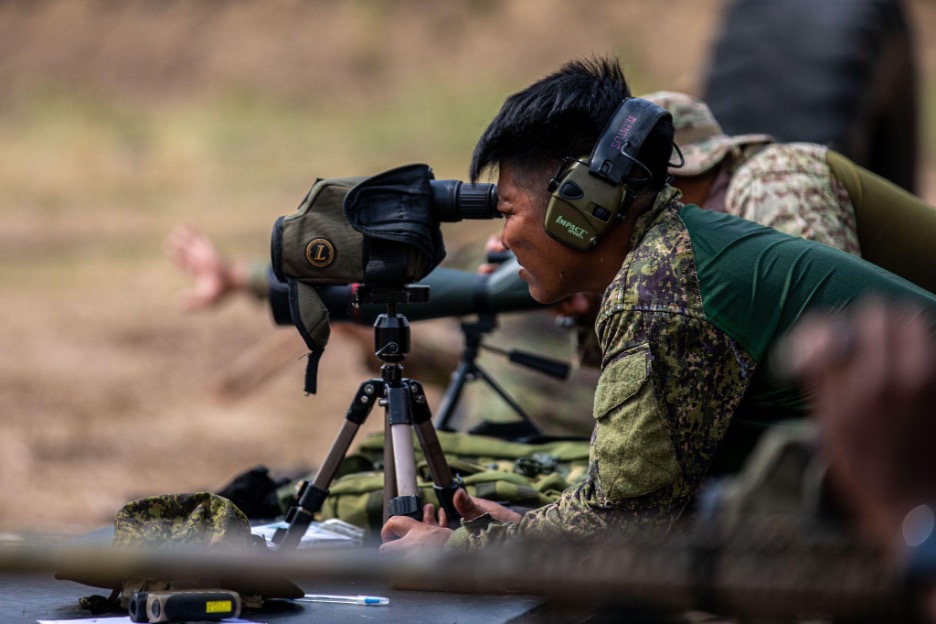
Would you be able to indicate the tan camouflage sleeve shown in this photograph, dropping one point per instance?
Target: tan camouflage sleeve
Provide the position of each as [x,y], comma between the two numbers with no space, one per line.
[790,187]
[669,387]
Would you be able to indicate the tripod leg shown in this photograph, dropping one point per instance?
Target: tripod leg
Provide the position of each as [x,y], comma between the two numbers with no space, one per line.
[506,397]
[312,495]
[445,484]
[452,395]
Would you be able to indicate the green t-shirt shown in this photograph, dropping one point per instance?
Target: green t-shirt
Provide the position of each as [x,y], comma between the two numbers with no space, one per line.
[757,282]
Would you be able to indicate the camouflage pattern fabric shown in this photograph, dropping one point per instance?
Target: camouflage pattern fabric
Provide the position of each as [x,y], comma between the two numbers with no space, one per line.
[791,188]
[358,498]
[670,385]
[786,186]
[698,135]
[510,473]
[199,517]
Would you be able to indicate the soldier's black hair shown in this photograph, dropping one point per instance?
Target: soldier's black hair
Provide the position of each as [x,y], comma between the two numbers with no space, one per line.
[561,116]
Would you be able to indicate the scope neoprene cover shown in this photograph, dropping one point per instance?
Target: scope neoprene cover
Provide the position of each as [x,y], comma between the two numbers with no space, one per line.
[379,231]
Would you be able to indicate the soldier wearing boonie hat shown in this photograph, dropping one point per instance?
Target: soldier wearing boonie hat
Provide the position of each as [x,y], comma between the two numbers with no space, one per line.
[802,189]
[699,135]
[787,186]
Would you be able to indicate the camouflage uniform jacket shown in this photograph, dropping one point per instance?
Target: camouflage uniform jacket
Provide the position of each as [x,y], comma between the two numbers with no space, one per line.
[669,386]
[789,187]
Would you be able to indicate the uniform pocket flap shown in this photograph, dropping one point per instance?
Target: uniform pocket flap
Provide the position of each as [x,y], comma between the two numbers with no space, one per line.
[632,453]
[621,380]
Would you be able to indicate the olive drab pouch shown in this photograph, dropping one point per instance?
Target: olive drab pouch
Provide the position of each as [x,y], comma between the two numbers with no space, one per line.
[379,231]
[357,498]
[521,476]
[199,520]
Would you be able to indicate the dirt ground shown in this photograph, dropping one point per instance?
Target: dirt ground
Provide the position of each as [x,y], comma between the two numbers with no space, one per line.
[108,391]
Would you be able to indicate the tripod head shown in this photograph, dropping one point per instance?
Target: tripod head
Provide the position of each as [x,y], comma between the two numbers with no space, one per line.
[391,329]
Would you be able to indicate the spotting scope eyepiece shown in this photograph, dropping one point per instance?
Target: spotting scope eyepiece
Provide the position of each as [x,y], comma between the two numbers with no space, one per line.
[454,200]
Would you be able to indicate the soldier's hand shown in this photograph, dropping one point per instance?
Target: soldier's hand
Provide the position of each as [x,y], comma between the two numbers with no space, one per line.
[471,507]
[402,534]
[494,245]
[215,277]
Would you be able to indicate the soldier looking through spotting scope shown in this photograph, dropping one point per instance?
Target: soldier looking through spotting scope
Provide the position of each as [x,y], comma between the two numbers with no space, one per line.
[693,301]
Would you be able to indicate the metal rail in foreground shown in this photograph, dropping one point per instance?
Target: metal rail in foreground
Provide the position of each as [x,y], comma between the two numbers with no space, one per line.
[760,578]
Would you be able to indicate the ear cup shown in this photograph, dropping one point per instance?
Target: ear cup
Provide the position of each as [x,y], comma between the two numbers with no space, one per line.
[591,195]
[582,207]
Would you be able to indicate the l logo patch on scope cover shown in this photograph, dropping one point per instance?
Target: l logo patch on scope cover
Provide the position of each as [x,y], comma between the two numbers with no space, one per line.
[320,253]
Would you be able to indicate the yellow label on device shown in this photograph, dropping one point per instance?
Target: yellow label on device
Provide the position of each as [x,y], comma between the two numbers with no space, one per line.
[218,606]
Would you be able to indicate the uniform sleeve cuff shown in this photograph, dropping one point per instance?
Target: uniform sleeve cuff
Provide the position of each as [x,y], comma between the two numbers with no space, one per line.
[458,540]
[469,528]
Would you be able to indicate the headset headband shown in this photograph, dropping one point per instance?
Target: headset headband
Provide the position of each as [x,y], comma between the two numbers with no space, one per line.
[615,155]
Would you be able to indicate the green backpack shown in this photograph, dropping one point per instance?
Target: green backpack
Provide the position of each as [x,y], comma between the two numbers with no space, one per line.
[524,476]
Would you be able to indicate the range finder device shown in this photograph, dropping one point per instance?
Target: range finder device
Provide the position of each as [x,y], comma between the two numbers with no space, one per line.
[203,605]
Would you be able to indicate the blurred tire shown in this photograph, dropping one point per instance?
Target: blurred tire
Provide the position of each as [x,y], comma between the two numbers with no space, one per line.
[835,72]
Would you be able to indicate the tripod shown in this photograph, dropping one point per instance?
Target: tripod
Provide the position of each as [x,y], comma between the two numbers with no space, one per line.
[469,370]
[406,410]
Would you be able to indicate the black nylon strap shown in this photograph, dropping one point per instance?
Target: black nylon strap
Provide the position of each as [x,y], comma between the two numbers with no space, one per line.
[615,155]
[315,353]
[311,374]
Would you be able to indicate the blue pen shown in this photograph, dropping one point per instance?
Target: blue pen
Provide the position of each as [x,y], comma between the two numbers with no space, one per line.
[358,600]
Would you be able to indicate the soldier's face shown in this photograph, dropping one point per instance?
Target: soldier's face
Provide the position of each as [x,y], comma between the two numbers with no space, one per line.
[550,268]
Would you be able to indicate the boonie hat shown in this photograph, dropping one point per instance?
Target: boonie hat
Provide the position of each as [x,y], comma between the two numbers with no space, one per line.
[198,519]
[698,135]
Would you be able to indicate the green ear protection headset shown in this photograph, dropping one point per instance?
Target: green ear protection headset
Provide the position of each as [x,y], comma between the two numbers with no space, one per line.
[592,195]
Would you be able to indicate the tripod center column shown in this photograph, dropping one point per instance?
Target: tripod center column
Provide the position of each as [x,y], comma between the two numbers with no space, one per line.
[400,417]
